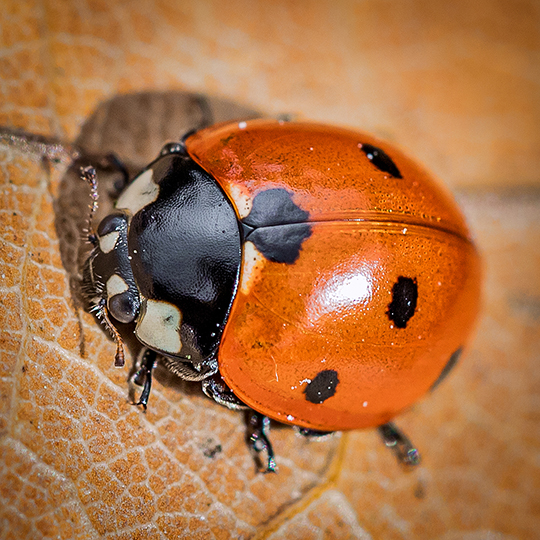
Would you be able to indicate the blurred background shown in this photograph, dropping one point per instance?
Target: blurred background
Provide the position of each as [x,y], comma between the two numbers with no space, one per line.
[457,86]
[455,83]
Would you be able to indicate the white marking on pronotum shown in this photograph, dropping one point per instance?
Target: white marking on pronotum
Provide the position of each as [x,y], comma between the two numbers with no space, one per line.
[140,193]
[159,326]
[108,241]
[116,285]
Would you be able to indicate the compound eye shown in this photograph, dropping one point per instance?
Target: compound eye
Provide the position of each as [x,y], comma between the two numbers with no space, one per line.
[111,223]
[123,307]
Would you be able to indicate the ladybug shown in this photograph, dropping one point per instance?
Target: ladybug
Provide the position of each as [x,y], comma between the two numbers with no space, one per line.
[311,274]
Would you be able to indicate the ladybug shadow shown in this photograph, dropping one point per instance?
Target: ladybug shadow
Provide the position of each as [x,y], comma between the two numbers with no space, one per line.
[121,137]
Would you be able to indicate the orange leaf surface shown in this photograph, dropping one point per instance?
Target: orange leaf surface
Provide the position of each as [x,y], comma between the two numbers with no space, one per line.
[77,459]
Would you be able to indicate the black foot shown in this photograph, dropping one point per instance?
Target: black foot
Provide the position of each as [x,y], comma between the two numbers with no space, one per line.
[143,376]
[313,433]
[258,426]
[403,449]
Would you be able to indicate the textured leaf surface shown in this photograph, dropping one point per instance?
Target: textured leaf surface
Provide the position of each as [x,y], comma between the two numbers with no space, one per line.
[77,460]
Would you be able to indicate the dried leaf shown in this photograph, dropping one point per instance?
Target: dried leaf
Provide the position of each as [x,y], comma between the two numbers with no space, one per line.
[77,460]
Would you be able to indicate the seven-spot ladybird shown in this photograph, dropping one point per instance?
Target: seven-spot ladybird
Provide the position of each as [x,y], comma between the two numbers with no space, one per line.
[313,274]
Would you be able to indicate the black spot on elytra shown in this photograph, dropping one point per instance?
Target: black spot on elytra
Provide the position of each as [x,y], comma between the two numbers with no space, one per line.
[281,244]
[322,387]
[274,207]
[277,226]
[403,304]
[381,160]
[453,360]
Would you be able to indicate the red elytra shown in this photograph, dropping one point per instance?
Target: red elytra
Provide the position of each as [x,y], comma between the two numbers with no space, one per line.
[382,297]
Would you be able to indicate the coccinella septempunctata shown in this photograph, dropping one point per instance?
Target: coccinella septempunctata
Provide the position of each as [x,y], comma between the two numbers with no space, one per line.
[313,274]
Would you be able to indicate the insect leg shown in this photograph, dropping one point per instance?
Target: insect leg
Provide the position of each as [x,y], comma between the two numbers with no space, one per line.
[398,442]
[215,388]
[258,427]
[313,433]
[143,376]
